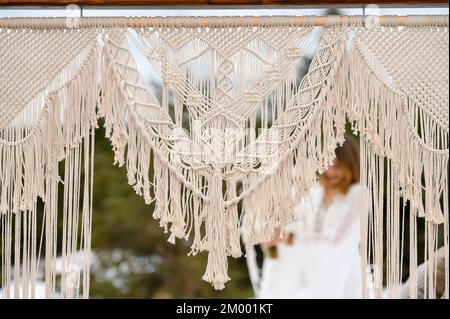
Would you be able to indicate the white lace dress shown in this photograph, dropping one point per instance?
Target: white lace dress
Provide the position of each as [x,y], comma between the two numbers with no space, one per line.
[323,260]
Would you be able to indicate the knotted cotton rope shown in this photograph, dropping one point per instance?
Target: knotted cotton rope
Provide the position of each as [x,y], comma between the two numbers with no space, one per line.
[235,125]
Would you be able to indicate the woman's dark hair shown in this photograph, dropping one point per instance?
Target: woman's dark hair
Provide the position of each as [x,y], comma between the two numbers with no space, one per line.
[347,155]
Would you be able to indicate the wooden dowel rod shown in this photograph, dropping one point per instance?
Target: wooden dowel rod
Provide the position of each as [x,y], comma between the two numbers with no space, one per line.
[256,21]
[214,2]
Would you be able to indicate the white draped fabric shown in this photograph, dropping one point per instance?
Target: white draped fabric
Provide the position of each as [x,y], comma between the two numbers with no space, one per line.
[234,130]
[323,260]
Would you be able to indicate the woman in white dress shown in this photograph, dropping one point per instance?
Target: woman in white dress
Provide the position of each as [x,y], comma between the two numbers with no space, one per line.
[318,254]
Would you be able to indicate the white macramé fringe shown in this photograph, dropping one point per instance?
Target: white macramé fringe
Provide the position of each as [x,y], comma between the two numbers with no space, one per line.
[203,203]
[393,153]
[29,169]
[402,146]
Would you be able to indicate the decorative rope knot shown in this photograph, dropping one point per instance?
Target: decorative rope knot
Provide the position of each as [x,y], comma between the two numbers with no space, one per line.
[194,98]
[226,67]
[3,207]
[293,53]
[177,134]
[225,84]
[157,54]
[173,77]
[251,97]
[274,75]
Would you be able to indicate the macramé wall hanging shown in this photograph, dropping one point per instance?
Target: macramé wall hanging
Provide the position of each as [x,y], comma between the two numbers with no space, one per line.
[234,141]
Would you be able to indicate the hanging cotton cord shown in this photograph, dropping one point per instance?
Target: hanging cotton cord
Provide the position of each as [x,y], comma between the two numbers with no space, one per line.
[407,126]
[40,131]
[234,131]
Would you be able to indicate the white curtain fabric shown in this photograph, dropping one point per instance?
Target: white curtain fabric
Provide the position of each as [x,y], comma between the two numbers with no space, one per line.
[323,260]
